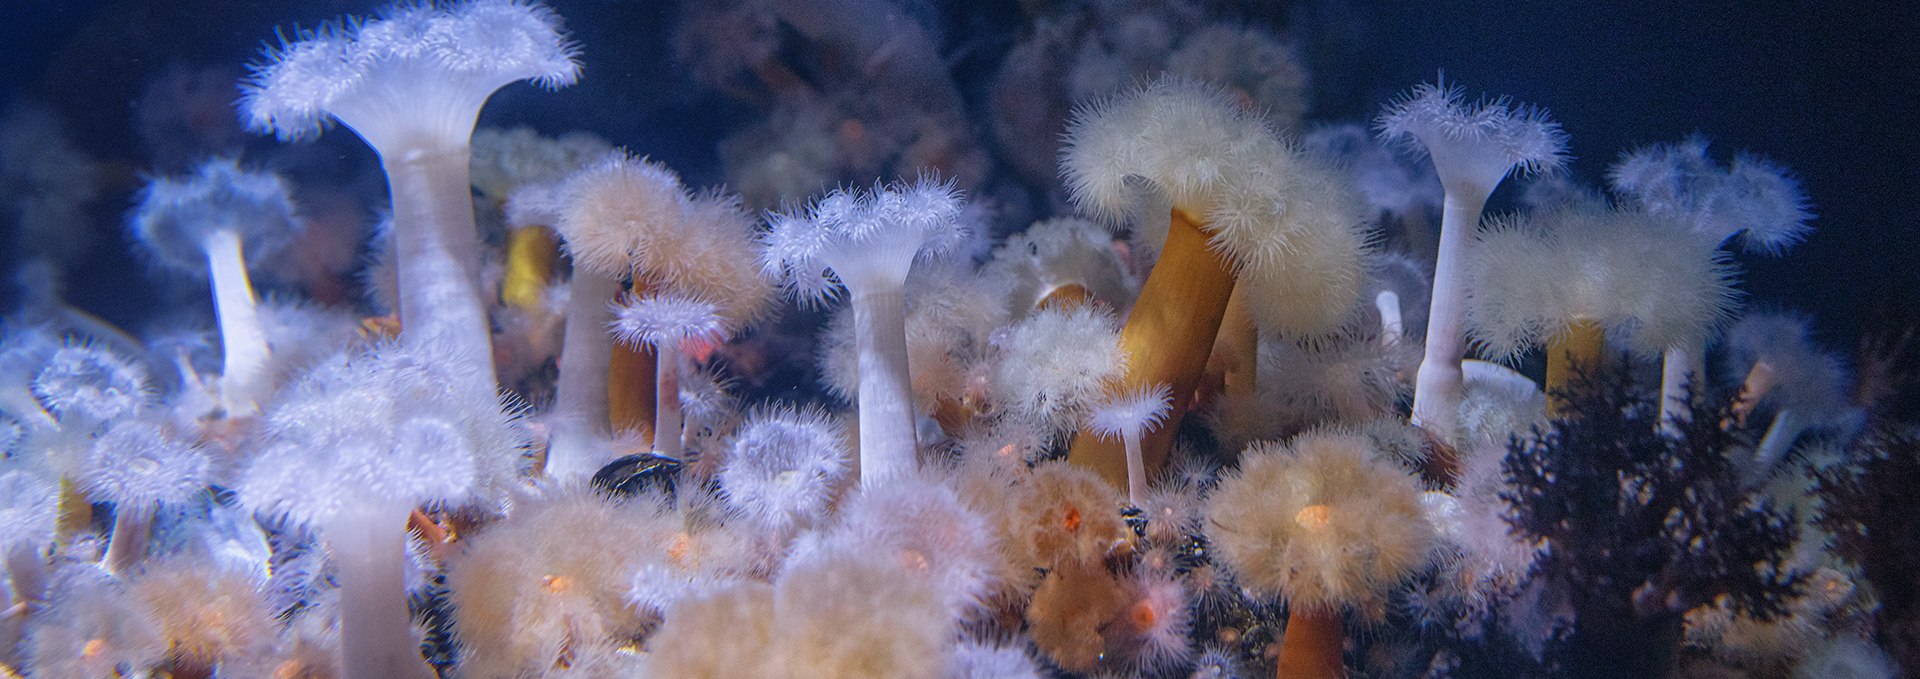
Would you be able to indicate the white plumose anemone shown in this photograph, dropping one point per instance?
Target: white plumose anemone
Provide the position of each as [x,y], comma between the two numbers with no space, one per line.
[216,221]
[1473,147]
[411,84]
[866,242]
[1321,521]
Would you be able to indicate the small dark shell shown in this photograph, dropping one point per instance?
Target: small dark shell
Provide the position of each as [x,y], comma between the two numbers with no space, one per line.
[637,473]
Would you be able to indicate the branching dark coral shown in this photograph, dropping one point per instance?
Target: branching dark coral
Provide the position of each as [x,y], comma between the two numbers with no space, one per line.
[1866,506]
[1642,527]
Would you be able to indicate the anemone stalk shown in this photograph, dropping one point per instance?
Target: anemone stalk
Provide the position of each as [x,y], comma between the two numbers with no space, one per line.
[580,396]
[243,341]
[1440,383]
[368,546]
[1167,339]
[887,441]
[437,249]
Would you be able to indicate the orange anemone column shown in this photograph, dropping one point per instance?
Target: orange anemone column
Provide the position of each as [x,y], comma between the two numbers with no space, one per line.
[630,384]
[1312,646]
[1168,337]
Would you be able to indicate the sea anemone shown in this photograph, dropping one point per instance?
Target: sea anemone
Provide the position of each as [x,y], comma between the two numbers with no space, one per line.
[84,386]
[1128,415]
[783,468]
[411,84]
[1571,278]
[142,466]
[1058,260]
[1156,621]
[605,213]
[699,556]
[1783,367]
[866,241]
[210,613]
[662,321]
[91,628]
[1325,525]
[352,448]
[1679,186]
[718,635]
[1244,207]
[1307,284]
[1172,506]
[216,221]
[1320,521]
[1473,148]
[1073,603]
[530,590]
[1062,513]
[1055,364]
[846,615]
[1754,200]
[925,528]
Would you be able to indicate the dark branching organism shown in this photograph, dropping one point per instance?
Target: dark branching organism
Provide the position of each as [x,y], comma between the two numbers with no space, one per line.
[1642,527]
[1867,506]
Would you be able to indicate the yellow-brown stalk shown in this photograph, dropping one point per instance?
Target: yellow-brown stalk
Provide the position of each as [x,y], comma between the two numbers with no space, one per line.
[531,253]
[1759,383]
[1574,351]
[76,514]
[1236,352]
[1167,338]
[1312,646]
[630,383]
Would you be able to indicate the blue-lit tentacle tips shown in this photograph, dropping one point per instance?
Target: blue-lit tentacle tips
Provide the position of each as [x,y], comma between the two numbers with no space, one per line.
[416,68]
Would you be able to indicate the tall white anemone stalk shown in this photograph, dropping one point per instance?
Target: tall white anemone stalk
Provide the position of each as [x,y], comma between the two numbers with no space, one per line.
[865,242]
[411,84]
[1473,149]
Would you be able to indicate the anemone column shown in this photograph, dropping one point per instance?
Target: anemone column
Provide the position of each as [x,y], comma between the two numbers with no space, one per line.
[368,548]
[411,84]
[438,251]
[1128,416]
[867,242]
[1473,148]
[1242,210]
[215,221]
